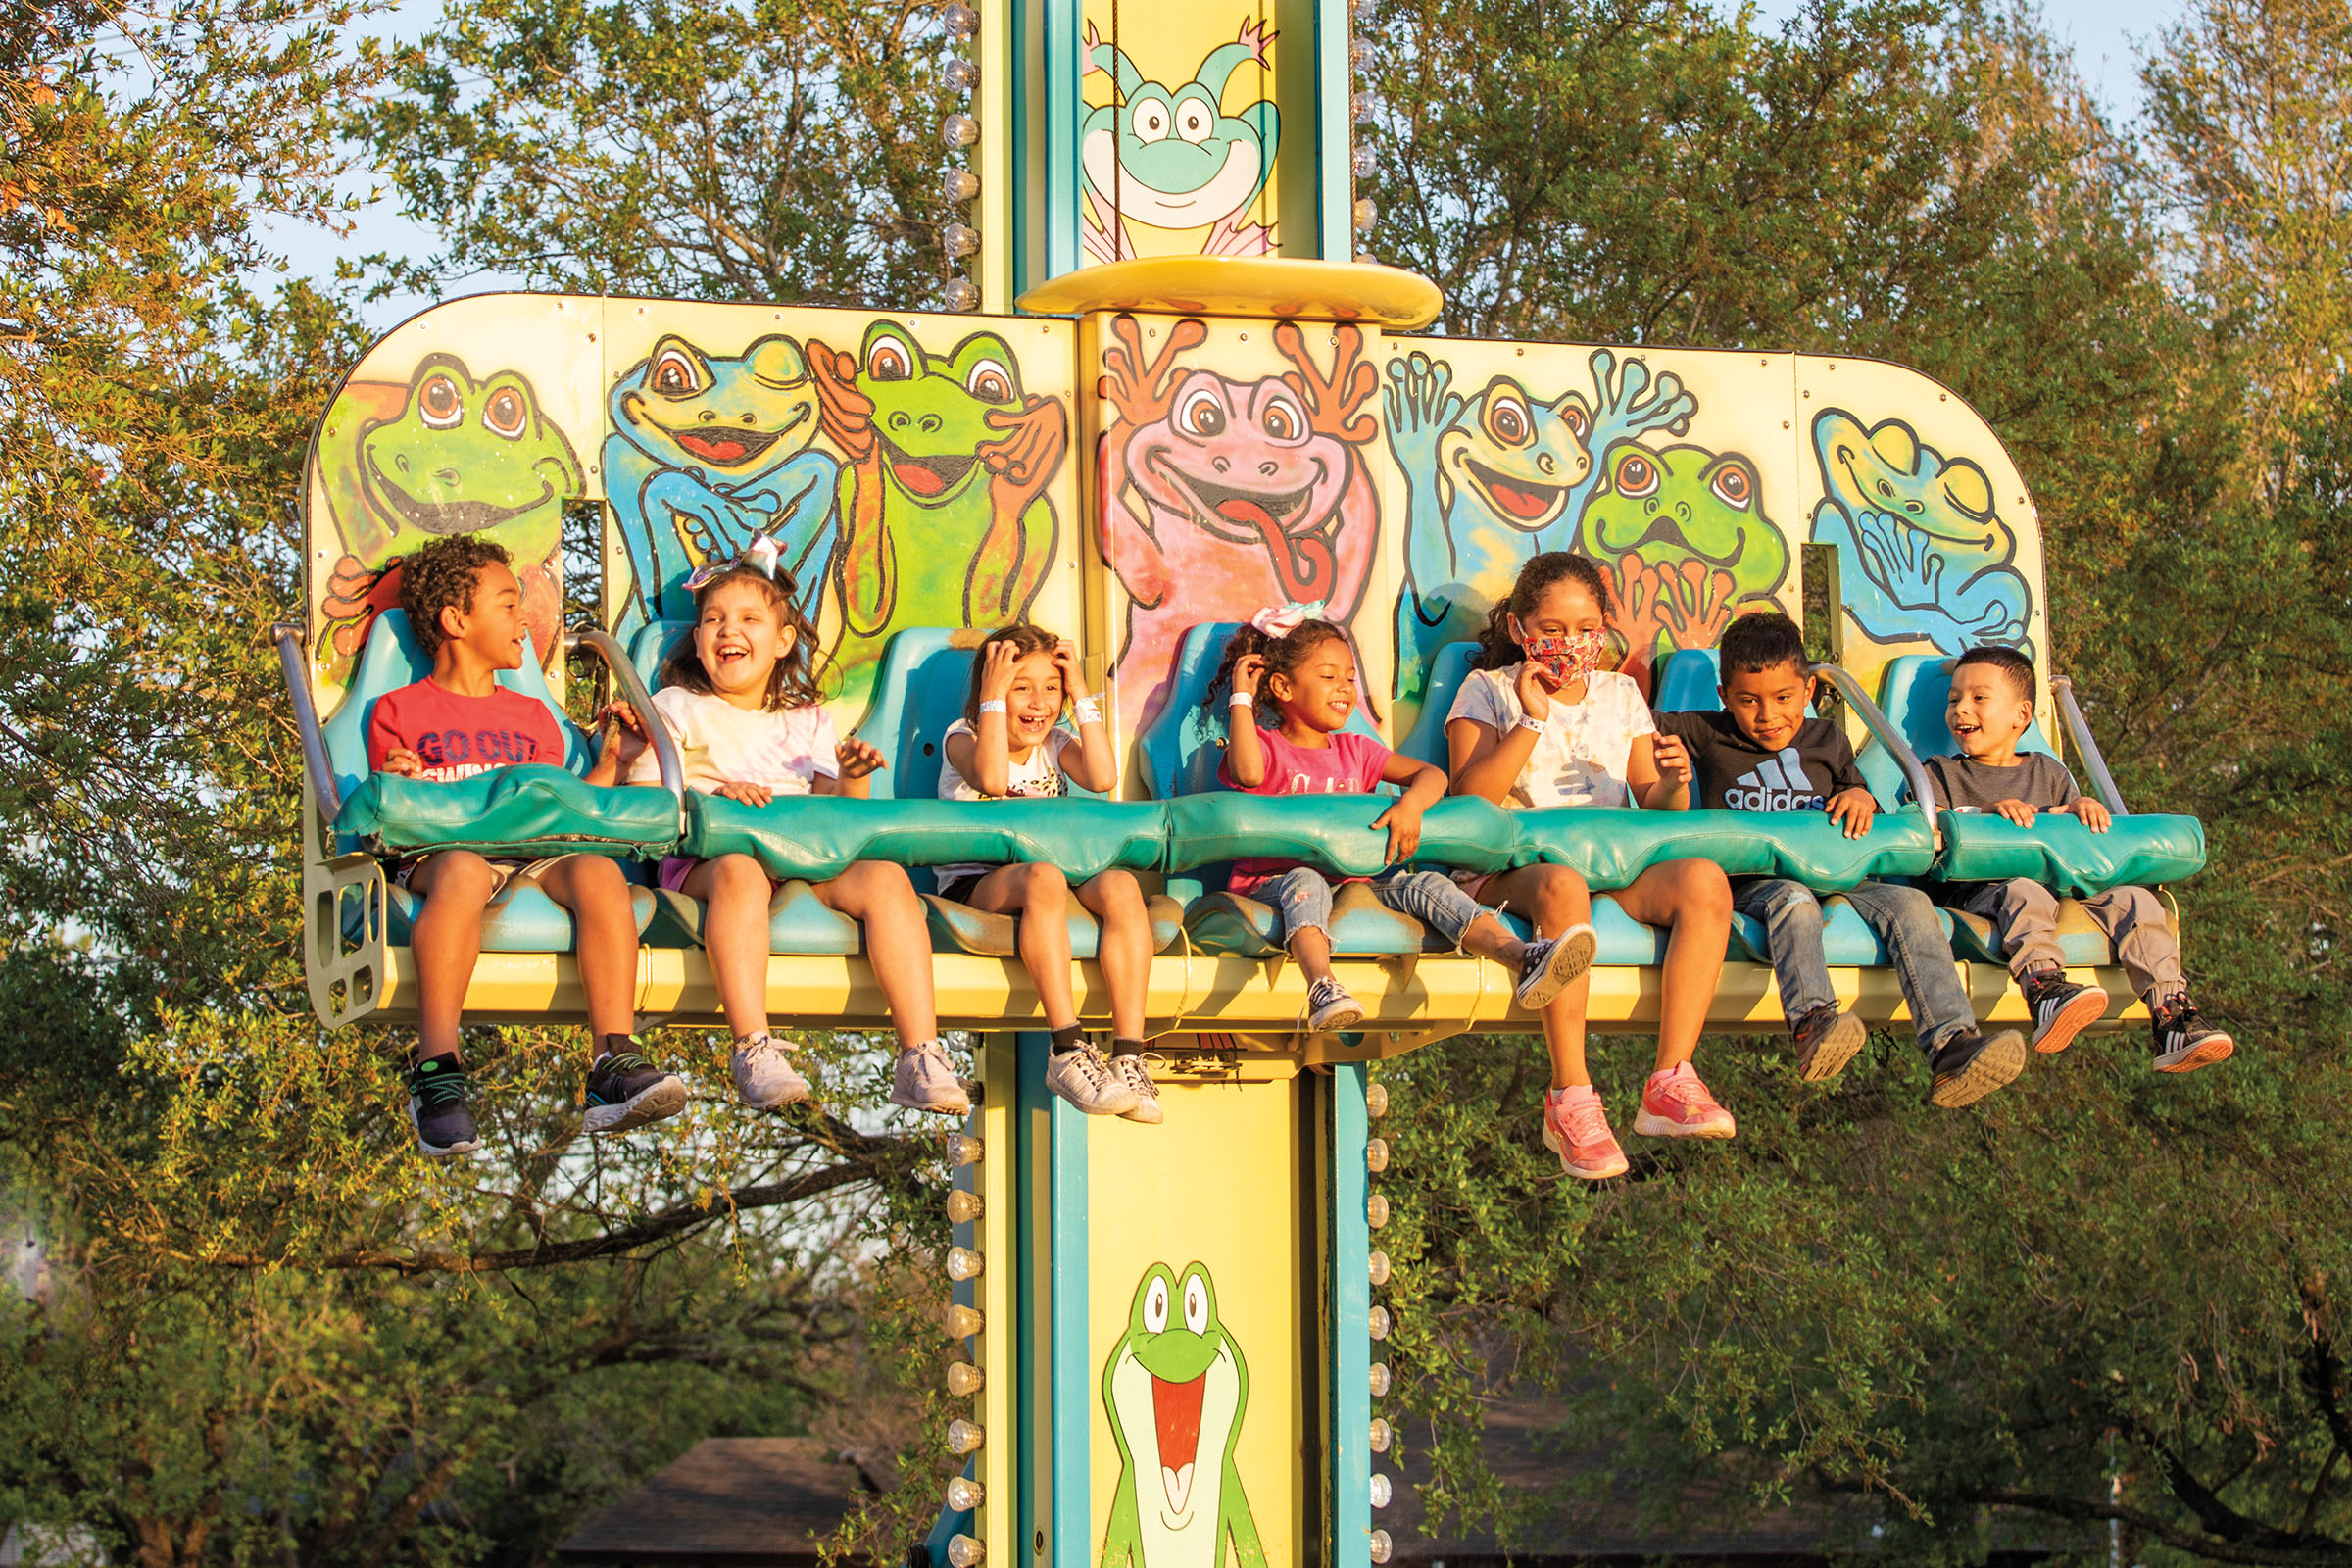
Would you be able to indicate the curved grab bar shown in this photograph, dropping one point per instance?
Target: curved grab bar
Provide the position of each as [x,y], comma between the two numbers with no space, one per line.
[1887,734]
[2078,728]
[288,638]
[632,687]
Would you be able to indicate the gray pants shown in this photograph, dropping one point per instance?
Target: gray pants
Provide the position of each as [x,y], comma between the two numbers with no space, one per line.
[2025,925]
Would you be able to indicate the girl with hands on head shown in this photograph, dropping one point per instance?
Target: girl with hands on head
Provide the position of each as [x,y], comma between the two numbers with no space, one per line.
[1297,673]
[1010,744]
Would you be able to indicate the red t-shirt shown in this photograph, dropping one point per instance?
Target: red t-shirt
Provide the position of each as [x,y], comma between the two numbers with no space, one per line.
[1352,764]
[457,736]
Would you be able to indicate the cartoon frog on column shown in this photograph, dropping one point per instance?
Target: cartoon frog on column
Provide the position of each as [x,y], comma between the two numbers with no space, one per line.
[1169,158]
[1176,1389]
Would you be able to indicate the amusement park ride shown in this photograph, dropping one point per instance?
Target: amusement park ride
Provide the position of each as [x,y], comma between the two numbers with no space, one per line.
[1169,394]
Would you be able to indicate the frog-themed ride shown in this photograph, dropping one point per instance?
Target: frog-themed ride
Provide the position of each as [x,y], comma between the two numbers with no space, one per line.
[1167,393]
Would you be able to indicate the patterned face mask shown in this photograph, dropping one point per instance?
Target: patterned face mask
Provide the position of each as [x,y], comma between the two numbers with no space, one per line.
[1567,659]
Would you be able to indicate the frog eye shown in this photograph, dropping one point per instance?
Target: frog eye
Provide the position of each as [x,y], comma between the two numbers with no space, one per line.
[1150,122]
[1194,122]
[675,373]
[1283,420]
[887,361]
[1196,1304]
[1202,414]
[988,381]
[1508,420]
[439,402]
[1733,485]
[1637,476]
[1578,423]
[506,413]
[1156,1306]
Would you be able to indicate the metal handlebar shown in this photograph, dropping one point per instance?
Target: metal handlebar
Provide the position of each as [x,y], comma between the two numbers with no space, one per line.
[2078,728]
[329,795]
[632,686]
[1879,726]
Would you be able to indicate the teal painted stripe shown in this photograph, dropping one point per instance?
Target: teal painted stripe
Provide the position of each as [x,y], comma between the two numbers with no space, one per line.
[1062,171]
[1030,1120]
[1335,139]
[1350,1447]
[1073,1383]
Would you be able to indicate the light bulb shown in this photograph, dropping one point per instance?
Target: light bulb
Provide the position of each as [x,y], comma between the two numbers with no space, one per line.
[1375,1154]
[962,294]
[962,1207]
[1359,53]
[964,1379]
[961,239]
[1376,1099]
[959,184]
[962,1322]
[960,129]
[965,1553]
[1364,161]
[1368,211]
[1376,1323]
[965,1150]
[1380,1546]
[964,1435]
[1362,10]
[1359,106]
[1380,1379]
[964,1493]
[1376,1211]
[1379,1269]
[1366,258]
[961,21]
[1379,1491]
[960,75]
[1380,1436]
[963,1263]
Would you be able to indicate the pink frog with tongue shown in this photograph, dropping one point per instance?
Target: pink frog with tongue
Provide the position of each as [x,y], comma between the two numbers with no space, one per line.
[1223,497]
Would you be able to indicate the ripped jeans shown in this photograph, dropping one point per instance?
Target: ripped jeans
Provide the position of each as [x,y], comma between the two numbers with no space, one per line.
[1303,896]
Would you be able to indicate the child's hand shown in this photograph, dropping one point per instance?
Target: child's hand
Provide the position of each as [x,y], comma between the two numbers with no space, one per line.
[1248,671]
[2017,811]
[1073,669]
[1403,822]
[995,672]
[2090,814]
[1853,808]
[748,794]
[622,712]
[1534,691]
[858,758]
[1672,757]
[403,762]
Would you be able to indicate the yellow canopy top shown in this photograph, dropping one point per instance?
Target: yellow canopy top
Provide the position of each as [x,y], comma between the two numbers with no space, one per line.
[1260,286]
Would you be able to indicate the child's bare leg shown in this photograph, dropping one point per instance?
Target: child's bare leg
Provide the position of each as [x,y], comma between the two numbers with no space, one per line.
[1312,948]
[445,941]
[604,943]
[897,942]
[1556,899]
[736,891]
[1694,898]
[1038,896]
[1124,949]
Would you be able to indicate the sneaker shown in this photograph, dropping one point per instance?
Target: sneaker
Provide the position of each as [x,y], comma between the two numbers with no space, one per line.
[1677,1105]
[626,1092]
[765,1077]
[2060,1007]
[1826,1041]
[1577,1129]
[437,1109]
[1970,1066]
[1552,965]
[2184,1041]
[1082,1077]
[925,1080]
[1329,1007]
[1136,1074]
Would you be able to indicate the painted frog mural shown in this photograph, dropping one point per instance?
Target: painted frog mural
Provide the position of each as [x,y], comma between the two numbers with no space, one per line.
[1221,497]
[1175,1390]
[944,517]
[1927,555]
[447,453]
[1497,479]
[705,455]
[1684,529]
[1170,158]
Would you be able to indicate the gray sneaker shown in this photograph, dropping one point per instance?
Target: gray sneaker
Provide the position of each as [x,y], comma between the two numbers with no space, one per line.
[1136,1074]
[1082,1077]
[1552,966]
[1329,1007]
[1826,1041]
[764,1076]
[925,1080]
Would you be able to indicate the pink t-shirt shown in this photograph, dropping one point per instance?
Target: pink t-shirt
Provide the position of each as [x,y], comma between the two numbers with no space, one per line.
[1352,764]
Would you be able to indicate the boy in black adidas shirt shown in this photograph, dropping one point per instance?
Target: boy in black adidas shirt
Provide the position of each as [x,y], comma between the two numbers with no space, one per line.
[1762,753]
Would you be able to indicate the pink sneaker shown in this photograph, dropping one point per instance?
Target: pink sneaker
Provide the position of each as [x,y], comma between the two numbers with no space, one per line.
[1577,1129]
[1676,1105]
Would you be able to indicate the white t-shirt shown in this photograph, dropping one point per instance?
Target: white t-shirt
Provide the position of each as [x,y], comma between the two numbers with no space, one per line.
[1579,758]
[785,749]
[1039,774]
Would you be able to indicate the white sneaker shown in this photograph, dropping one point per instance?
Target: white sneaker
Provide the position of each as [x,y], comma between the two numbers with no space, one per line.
[765,1077]
[1330,1008]
[1552,966]
[1082,1077]
[1137,1075]
[925,1080]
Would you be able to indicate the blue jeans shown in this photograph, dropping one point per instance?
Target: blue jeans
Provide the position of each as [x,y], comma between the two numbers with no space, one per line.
[1904,921]
[1303,896]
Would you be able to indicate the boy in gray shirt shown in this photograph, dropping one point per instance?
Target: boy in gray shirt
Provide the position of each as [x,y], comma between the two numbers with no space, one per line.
[1991,703]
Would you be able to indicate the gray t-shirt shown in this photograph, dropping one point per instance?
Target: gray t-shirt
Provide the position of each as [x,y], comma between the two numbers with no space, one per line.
[2038,779]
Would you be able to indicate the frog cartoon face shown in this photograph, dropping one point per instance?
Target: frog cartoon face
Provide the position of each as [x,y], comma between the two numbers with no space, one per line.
[1518,458]
[1886,470]
[733,419]
[467,455]
[931,412]
[1685,503]
[1169,156]
[1175,1389]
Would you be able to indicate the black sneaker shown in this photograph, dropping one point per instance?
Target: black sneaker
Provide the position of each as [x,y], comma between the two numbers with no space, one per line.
[1826,1041]
[627,1092]
[2061,1009]
[437,1108]
[1970,1066]
[2184,1041]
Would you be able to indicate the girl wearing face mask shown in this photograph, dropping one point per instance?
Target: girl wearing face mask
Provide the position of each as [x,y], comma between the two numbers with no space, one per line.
[1540,724]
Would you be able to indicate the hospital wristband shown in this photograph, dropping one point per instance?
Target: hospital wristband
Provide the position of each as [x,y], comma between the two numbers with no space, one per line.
[1525,722]
[1241,699]
[1087,709]
[992,705]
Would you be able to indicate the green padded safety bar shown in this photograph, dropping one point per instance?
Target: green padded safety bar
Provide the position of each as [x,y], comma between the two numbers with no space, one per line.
[820,836]
[524,812]
[1332,833]
[1611,846]
[2068,859]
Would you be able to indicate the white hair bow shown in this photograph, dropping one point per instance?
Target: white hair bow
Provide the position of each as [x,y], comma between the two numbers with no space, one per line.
[1279,621]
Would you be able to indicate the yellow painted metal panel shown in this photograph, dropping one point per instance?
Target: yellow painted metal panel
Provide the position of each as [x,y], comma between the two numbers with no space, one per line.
[1267,287]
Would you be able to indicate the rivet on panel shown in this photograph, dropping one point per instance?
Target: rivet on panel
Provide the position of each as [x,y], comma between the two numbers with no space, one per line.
[1245,337]
[1783,425]
[1943,397]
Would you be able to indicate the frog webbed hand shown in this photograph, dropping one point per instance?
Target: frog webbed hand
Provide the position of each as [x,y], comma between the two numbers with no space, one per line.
[1624,408]
[1696,604]
[718,523]
[1900,559]
[846,413]
[1641,593]
[1422,406]
[1022,461]
[348,589]
[1335,404]
[1145,389]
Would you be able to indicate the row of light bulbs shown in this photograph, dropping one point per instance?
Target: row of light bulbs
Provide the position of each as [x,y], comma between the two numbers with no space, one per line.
[1376,1215]
[960,239]
[965,1494]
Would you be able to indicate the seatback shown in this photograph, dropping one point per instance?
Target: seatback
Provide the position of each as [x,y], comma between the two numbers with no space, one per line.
[652,644]
[1913,692]
[1446,671]
[391,660]
[1688,680]
[1185,742]
[919,693]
